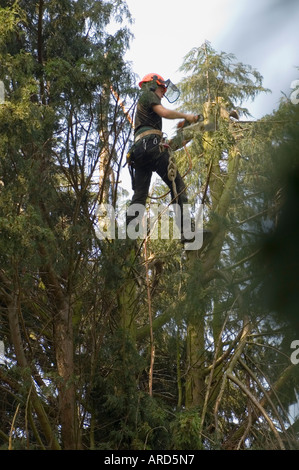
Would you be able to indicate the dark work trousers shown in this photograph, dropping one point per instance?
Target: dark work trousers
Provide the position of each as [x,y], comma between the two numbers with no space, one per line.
[144,168]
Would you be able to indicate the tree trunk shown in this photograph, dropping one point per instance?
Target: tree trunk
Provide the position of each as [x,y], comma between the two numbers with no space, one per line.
[64,352]
[63,338]
[195,383]
[221,195]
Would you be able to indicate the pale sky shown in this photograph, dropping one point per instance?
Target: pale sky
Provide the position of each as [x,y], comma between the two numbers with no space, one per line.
[263,34]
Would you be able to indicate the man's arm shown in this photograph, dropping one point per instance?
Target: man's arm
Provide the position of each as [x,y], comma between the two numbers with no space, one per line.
[171,114]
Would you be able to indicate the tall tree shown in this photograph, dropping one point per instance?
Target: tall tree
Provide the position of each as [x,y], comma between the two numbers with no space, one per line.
[223,323]
[220,84]
[56,61]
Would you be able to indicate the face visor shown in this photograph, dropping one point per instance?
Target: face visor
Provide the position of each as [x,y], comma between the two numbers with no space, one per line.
[172,92]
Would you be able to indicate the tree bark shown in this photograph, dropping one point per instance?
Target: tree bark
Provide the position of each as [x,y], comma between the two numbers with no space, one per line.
[64,352]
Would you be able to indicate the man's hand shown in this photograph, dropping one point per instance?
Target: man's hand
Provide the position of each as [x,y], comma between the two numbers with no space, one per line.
[191,118]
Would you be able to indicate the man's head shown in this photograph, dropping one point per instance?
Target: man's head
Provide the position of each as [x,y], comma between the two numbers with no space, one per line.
[154,80]
[161,87]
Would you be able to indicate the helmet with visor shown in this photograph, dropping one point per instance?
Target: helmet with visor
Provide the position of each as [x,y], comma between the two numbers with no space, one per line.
[172,92]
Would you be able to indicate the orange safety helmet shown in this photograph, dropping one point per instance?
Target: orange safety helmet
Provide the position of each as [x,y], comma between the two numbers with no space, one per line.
[150,77]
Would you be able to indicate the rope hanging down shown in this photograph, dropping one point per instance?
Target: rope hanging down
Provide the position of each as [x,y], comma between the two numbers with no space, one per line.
[172,173]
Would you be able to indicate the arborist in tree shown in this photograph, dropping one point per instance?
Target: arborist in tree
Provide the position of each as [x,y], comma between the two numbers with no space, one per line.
[149,153]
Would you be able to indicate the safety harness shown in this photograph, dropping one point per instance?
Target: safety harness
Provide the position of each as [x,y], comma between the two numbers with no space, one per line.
[148,132]
[171,169]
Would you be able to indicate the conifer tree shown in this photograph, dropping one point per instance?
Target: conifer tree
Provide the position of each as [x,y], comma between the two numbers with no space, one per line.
[223,322]
[56,61]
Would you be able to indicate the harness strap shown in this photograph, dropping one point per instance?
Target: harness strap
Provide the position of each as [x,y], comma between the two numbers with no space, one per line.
[148,132]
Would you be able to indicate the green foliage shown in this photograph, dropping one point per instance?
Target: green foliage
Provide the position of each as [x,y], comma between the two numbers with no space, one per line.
[215,75]
[54,65]
[75,311]
[186,431]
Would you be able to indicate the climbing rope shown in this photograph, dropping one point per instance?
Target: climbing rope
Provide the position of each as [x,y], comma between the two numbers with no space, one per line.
[172,173]
[175,169]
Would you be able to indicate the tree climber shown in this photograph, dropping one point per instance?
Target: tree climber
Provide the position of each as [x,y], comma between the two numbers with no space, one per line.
[148,153]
